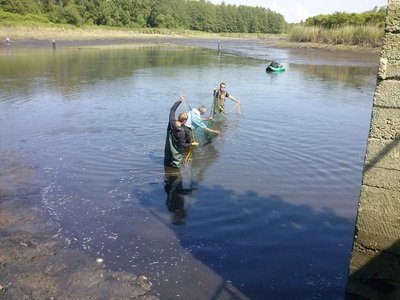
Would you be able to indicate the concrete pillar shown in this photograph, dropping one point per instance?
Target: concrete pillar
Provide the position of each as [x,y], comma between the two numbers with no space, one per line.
[375,261]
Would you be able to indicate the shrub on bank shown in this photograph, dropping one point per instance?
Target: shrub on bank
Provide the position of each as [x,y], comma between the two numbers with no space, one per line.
[350,35]
[8,18]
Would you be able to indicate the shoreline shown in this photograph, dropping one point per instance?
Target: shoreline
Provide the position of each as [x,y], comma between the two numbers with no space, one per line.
[65,36]
[35,263]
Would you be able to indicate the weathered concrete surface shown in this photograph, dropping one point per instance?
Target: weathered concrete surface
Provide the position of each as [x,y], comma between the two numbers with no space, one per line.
[375,261]
[387,92]
[390,179]
[393,16]
[383,154]
[385,123]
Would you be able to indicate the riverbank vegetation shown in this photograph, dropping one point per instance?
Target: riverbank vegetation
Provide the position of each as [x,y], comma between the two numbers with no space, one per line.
[172,14]
[364,29]
[45,32]
[91,19]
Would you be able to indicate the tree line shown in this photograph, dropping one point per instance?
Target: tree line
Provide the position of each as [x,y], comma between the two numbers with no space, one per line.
[177,14]
[374,17]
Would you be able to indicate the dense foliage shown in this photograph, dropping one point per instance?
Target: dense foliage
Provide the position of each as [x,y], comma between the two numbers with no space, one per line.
[186,14]
[365,29]
[374,17]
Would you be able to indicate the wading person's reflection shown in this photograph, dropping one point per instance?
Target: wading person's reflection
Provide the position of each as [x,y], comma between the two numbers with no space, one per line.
[202,158]
[175,202]
[177,195]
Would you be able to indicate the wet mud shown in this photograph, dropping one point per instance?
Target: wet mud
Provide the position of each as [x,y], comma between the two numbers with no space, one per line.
[35,263]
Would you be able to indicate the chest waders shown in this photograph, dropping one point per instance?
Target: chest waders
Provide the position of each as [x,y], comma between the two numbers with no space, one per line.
[218,108]
[173,157]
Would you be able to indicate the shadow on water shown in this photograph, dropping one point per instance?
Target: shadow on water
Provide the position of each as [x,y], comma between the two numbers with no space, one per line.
[201,159]
[263,246]
[292,252]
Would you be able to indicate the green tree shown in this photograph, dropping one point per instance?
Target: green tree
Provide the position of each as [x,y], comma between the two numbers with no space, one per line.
[339,19]
[21,7]
[161,14]
[140,12]
[194,14]
[203,16]
[71,14]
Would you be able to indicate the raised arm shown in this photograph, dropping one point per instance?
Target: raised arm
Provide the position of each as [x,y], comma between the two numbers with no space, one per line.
[174,108]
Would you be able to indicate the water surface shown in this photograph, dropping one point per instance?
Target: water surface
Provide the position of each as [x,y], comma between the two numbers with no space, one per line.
[265,211]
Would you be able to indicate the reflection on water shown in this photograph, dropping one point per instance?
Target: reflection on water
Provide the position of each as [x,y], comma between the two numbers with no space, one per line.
[176,194]
[202,158]
[266,209]
[75,68]
[300,56]
[350,75]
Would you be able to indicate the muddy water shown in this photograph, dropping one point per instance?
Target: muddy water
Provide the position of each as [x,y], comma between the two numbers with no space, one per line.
[265,211]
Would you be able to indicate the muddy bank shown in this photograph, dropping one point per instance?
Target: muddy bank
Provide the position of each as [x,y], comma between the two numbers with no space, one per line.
[35,263]
[205,42]
[32,43]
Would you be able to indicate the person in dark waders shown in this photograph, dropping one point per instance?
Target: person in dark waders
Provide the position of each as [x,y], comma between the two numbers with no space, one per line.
[176,137]
[220,96]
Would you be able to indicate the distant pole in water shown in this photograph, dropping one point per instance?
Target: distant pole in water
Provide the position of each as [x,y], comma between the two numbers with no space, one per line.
[53,44]
[219,46]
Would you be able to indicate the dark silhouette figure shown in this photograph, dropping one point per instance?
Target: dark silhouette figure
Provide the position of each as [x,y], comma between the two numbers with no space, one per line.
[175,202]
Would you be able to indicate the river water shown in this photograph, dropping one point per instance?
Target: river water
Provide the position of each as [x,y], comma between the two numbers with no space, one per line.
[265,211]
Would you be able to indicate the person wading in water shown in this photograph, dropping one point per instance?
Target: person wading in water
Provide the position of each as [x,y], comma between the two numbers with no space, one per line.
[195,121]
[219,100]
[176,138]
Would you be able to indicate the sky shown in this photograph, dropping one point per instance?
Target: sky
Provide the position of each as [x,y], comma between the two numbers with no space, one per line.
[297,11]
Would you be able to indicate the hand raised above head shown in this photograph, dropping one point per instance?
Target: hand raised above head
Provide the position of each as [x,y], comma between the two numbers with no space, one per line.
[182,98]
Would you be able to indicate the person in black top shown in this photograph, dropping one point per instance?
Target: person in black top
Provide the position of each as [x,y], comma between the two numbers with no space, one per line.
[176,137]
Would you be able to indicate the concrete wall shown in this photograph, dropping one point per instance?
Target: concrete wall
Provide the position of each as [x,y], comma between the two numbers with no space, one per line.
[375,260]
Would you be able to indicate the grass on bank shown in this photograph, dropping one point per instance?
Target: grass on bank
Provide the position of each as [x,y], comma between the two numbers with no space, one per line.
[365,36]
[37,27]
[40,31]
